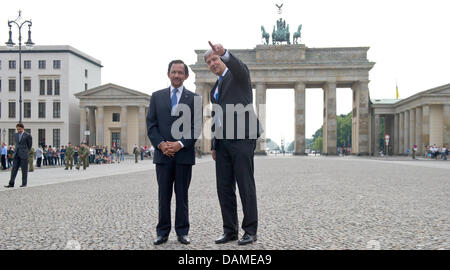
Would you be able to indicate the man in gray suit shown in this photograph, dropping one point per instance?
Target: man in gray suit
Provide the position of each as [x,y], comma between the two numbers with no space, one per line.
[24,142]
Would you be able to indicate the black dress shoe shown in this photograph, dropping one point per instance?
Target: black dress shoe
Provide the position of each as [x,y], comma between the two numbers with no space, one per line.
[8,186]
[160,240]
[227,237]
[247,239]
[23,186]
[184,239]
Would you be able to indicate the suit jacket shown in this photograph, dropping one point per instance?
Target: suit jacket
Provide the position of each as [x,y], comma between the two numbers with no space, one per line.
[159,125]
[235,88]
[23,147]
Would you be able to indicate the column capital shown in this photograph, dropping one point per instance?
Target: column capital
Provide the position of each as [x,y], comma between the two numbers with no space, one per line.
[299,85]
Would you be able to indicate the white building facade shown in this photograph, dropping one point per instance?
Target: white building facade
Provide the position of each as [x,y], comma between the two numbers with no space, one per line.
[51,75]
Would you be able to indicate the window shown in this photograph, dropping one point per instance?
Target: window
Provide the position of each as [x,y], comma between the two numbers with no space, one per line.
[12,64]
[85,73]
[0,85]
[49,87]
[115,139]
[12,85]
[116,117]
[0,64]
[56,137]
[27,64]
[57,87]
[85,87]
[56,64]
[0,111]
[27,109]
[42,87]
[41,64]
[11,133]
[27,85]
[12,109]
[56,109]
[41,137]
[41,112]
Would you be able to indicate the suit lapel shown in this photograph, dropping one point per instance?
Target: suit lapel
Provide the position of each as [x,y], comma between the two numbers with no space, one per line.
[184,97]
[167,99]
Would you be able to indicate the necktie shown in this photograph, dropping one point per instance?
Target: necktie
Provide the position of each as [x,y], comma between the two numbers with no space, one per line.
[216,96]
[174,97]
[20,136]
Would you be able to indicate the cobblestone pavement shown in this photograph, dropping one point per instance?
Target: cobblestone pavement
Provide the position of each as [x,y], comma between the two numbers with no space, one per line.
[303,203]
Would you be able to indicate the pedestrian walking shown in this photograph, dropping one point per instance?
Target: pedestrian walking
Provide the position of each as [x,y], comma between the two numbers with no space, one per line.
[69,156]
[136,153]
[83,154]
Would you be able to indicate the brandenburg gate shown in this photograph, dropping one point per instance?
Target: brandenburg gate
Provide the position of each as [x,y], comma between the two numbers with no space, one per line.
[299,67]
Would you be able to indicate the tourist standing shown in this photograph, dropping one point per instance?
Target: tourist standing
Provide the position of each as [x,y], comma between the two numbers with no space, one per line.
[39,154]
[4,152]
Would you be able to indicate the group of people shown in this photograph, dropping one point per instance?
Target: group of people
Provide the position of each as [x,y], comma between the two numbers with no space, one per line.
[233,154]
[7,156]
[435,152]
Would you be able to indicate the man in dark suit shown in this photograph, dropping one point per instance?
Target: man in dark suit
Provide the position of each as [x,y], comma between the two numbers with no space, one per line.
[233,144]
[174,153]
[24,141]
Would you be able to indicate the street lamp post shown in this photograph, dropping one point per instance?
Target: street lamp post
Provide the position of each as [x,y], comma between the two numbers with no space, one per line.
[11,44]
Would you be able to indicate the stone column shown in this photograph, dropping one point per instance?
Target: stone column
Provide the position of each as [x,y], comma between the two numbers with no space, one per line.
[426,125]
[82,124]
[329,119]
[124,128]
[401,133]
[412,129]
[100,126]
[406,132]
[91,124]
[204,141]
[361,98]
[260,97]
[376,133]
[299,136]
[446,127]
[419,140]
[142,125]
[396,137]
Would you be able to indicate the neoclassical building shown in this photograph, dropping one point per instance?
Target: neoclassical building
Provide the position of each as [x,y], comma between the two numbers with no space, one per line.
[421,119]
[113,115]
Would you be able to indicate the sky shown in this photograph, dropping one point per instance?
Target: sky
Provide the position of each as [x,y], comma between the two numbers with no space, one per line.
[135,40]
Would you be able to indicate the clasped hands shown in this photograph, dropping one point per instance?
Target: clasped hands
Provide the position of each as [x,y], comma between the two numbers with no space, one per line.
[170,148]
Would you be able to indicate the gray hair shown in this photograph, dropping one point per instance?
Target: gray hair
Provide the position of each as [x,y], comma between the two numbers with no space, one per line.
[207,54]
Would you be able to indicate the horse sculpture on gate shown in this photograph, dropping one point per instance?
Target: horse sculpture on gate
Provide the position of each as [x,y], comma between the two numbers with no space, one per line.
[297,35]
[265,35]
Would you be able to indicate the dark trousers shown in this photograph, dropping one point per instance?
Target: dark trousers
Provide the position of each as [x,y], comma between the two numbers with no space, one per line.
[168,176]
[23,164]
[234,164]
[4,162]
[38,162]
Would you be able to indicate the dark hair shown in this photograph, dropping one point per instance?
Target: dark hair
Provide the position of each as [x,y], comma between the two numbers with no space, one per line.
[20,125]
[186,70]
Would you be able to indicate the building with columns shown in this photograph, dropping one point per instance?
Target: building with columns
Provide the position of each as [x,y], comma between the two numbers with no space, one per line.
[421,119]
[113,116]
[299,67]
[50,77]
